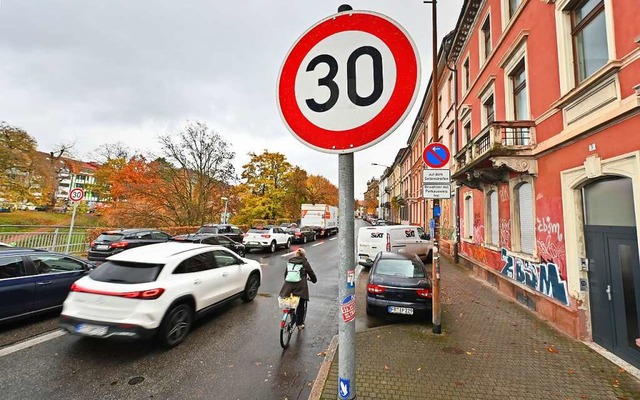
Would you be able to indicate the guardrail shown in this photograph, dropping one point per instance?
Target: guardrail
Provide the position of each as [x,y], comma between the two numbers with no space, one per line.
[55,240]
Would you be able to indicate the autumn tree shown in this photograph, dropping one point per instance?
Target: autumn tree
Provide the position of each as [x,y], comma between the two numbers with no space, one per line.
[321,191]
[19,177]
[56,166]
[295,193]
[111,157]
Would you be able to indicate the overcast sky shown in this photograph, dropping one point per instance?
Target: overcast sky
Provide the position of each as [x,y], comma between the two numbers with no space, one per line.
[94,72]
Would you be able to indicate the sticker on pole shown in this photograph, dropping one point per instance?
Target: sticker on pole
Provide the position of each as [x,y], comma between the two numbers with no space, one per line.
[351,279]
[348,308]
[76,194]
[344,388]
[348,82]
[436,155]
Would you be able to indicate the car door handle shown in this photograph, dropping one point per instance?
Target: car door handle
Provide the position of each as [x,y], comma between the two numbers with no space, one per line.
[225,274]
[197,282]
[44,283]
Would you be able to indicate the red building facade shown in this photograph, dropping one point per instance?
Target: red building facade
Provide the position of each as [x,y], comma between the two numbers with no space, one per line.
[548,161]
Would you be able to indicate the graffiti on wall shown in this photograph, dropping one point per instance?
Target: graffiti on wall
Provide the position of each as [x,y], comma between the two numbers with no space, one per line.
[505,233]
[478,230]
[504,193]
[550,241]
[544,277]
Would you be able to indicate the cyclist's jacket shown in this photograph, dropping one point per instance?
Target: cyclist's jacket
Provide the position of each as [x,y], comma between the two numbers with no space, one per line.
[295,278]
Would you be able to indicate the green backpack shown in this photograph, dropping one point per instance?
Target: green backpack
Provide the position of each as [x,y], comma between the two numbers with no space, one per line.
[293,272]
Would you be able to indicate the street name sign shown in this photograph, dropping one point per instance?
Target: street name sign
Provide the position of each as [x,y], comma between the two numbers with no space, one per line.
[348,82]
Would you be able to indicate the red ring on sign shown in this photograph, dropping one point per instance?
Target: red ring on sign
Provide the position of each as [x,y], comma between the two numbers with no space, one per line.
[382,124]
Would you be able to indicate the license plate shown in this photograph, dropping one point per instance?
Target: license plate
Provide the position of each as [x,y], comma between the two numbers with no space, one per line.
[102,247]
[92,330]
[400,310]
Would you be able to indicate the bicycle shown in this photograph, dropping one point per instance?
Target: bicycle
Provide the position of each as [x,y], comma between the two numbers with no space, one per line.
[288,321]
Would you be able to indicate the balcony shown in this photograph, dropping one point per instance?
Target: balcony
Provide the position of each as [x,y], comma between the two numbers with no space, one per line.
[501,146]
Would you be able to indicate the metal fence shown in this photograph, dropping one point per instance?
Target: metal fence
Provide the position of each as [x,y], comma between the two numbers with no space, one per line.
[54,239]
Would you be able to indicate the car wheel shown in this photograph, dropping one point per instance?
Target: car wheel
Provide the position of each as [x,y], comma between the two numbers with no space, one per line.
[251,289]
[175,325]
[272,248]
[288,245]
[370,310]
[304,239]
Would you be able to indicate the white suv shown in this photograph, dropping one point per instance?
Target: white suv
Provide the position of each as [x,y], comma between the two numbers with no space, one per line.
[157,290]
[266,238]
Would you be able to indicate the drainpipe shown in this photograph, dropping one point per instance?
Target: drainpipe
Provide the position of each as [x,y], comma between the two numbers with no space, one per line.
[456,197]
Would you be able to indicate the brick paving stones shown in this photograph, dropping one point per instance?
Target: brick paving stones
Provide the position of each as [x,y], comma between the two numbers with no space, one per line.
[491,348]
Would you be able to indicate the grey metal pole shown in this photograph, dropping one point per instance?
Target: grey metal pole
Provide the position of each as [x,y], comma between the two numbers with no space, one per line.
[73,218]
[346,281]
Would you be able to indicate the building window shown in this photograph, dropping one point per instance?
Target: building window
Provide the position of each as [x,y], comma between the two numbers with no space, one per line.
[524,195]
[489,110]
[485,38]
[450,87]
[589,32]
[513,6]
[467,132]
[465,75]
[468,217]
[492,218]
[519,100]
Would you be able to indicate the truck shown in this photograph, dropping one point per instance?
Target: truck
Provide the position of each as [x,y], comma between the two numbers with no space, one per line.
[323,218]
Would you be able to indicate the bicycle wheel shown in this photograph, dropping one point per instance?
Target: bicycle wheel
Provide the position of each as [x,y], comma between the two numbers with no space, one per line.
[287,330]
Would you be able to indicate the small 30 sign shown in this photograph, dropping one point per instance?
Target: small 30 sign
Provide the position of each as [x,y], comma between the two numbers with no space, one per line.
[76,194]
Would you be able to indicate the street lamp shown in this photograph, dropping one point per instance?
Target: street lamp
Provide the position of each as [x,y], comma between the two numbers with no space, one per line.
[224,214]
[380,165]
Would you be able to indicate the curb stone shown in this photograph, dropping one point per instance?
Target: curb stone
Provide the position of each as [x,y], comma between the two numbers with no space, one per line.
[323,373]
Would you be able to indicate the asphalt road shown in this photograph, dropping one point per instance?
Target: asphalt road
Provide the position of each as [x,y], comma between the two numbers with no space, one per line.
[232,354]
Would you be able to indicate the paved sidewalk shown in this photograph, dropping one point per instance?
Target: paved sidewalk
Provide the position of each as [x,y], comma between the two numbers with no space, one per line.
[490,348]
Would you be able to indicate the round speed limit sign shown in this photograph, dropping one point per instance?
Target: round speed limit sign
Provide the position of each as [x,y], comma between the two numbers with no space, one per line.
[76,194]
[348,82]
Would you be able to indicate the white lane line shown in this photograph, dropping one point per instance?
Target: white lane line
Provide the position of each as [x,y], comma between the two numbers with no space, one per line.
[31,342]
[333,238]
[317,244]
[288,254]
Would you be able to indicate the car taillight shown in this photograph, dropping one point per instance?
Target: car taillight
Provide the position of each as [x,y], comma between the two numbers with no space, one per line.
[375,289]
[426,293]
[150,294]
[388,242]
[266,236]
[119,245]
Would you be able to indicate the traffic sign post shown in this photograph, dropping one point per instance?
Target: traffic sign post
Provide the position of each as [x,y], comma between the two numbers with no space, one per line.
[347,83]
[75,195]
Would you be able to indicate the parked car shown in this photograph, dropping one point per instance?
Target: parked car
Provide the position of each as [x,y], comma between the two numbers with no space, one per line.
[408,239]
[230,231]
[34,281]
[266,238]
[157,290]
[2,244]
[212,238]
[303,235]
[398,284]
[115,241]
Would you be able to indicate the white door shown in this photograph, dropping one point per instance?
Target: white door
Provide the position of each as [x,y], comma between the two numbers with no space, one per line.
[230,270]
[206,280]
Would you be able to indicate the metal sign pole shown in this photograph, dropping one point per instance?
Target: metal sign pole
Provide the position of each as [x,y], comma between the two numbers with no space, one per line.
[346,286]
[73,218]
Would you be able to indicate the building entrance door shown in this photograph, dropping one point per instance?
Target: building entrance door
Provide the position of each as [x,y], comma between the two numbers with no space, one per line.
[614,267]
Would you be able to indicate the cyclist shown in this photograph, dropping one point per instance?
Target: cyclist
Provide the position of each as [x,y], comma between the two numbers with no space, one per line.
[295,283]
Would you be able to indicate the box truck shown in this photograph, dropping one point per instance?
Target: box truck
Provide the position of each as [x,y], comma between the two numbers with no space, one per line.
[323,218]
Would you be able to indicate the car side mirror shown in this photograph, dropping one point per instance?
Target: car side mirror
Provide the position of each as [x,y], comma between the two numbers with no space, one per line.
[428,237]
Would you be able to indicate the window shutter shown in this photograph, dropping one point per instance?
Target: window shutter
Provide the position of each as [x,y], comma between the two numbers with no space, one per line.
[525,205]
[495,222]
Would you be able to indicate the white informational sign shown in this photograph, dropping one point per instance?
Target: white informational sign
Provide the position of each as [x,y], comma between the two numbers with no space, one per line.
[437,191]
[436,176]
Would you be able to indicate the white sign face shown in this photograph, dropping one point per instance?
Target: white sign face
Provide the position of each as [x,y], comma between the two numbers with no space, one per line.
[436,176]
[76,194]
[436,191]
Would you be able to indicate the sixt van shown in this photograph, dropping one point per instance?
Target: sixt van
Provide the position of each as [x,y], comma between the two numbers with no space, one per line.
[395,238]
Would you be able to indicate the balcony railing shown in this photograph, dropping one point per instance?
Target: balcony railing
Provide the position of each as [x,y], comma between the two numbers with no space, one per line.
[500,137]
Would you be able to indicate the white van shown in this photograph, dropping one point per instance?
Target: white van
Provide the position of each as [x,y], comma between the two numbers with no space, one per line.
[395,238]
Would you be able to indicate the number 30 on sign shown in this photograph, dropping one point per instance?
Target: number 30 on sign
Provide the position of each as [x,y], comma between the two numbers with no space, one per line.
[348,82]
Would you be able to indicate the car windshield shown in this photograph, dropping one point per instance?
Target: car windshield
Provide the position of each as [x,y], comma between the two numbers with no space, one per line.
[258,231]
[126,272]
[109,237]
[401,268]
[208,229]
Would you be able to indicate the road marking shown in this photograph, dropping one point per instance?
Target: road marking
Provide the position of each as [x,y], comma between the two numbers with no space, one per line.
[333,238]
[317,244]
[288,254]
[31,342]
